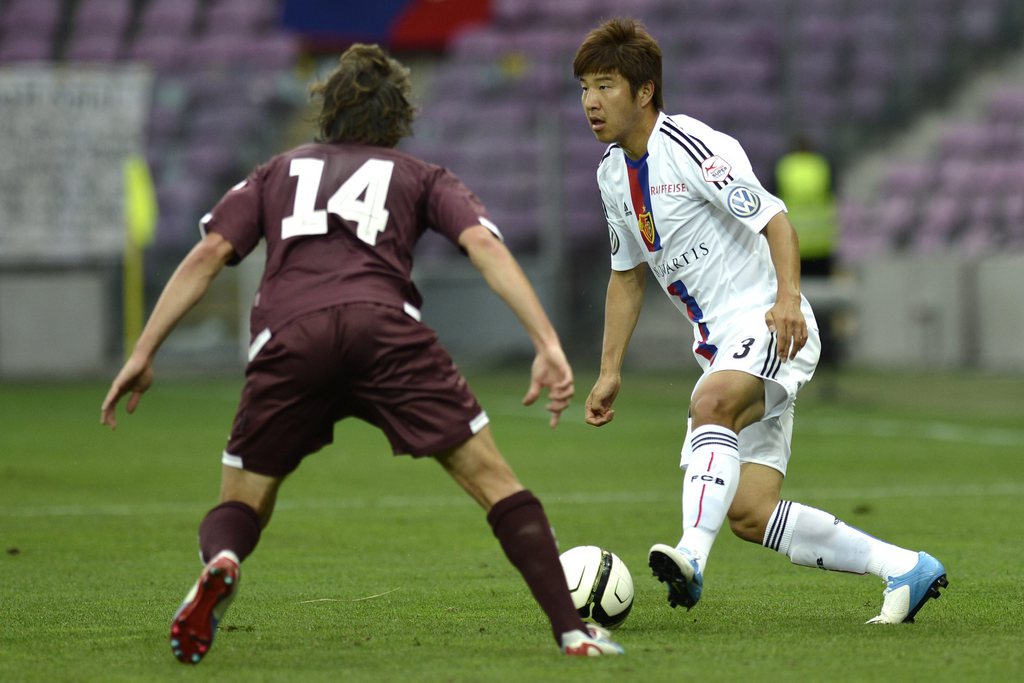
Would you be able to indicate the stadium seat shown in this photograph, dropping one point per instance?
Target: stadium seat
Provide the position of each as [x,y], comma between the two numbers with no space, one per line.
[27,47]
[910,179]
[162,17]
[215,50]
[40,17]
[269,52]
[182,203]
[97,47]
[1007,105]
[164,52]
[240,16]
[966,141]
[481,42]
[109,17]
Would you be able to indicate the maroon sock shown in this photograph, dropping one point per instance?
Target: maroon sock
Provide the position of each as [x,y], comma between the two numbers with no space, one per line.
[230,526]
[525,535]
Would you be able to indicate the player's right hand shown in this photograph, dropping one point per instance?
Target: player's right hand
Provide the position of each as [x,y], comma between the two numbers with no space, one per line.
[599,409]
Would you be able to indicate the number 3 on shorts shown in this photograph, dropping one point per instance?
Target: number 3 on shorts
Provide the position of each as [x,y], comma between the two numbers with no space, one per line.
[370,181]
[745,345]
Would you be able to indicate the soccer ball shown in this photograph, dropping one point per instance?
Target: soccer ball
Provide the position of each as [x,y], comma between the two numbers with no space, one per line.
[599,583]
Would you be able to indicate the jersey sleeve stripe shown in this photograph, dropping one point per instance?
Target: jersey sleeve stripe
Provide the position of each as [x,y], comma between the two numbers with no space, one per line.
[696,154]
[697,158]
[693,139]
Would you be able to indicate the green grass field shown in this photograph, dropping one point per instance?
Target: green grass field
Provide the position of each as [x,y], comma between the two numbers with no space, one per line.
[379,569]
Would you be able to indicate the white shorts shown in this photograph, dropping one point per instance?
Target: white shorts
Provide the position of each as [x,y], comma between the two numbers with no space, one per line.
[751,348]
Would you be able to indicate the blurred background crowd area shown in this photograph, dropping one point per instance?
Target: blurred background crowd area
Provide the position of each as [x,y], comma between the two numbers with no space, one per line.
[917,105]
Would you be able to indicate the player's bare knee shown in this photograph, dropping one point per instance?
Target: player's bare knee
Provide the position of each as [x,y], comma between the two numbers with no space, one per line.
[716,409]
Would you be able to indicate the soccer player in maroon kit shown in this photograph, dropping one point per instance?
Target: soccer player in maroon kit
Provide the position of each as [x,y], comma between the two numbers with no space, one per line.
[336,332]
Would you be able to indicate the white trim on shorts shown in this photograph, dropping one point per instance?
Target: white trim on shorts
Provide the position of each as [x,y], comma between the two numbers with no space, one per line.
[412,311]
[259,342]
[232,461]
[479,422]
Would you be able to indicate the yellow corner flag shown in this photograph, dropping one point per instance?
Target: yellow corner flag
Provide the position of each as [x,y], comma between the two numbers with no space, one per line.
[140,209]
[140,216]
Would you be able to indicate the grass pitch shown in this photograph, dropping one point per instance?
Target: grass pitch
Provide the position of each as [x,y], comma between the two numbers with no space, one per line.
[380,569]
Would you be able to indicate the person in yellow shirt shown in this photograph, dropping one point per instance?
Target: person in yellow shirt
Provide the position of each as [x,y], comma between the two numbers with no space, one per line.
[804,181]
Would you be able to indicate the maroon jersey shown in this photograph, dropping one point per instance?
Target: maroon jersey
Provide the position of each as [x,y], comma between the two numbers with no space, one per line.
[340,223]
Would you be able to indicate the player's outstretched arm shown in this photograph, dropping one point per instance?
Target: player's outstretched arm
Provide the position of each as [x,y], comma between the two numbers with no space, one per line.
[622,306]
[185,288]
[550,369]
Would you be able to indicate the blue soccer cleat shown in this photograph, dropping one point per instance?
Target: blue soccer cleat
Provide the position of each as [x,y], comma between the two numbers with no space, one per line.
[679,570]
[905,595]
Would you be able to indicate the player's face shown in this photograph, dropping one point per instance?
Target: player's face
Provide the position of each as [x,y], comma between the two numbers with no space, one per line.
[613,112]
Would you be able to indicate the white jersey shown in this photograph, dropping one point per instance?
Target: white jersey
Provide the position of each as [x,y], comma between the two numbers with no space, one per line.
[693,209]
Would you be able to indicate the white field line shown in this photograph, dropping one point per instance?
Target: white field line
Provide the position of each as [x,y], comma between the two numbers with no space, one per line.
[925,430]
[903,429]
[958,490]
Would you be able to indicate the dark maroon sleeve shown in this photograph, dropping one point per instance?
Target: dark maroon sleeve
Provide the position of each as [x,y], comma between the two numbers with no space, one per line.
[452,207]
[236,217]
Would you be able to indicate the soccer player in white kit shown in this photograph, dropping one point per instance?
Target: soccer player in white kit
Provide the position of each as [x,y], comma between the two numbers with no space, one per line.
[682,200]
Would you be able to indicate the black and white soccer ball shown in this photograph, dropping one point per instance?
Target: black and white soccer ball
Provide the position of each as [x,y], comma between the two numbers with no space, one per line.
[599,583]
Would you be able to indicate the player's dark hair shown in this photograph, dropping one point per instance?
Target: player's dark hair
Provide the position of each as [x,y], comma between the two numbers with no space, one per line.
[365,100]
[621,45]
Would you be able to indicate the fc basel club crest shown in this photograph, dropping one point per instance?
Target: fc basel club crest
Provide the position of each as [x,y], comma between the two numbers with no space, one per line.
[648,232]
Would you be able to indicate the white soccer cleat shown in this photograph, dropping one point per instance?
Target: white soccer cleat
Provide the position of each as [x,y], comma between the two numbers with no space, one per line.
[678,570]
[596,642]
[905,595]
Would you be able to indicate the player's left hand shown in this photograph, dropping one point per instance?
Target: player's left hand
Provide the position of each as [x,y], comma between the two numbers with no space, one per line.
[551,370]
[787,321]
[136,377]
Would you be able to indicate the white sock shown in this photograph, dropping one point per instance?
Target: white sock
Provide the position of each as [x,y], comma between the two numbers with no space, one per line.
[709,486]
[813,538]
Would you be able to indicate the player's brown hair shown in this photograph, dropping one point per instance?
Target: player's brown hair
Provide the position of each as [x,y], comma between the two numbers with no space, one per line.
[365,100]
[621,45]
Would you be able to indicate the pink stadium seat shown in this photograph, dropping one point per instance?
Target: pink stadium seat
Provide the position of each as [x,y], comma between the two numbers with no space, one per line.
[109,17]
[95,47]
[909,178]
[161,17]
[208,51]
[28,47]
[164,52]
[40,17]
[1007,106]
[965,141]
[269,51]
[240,16]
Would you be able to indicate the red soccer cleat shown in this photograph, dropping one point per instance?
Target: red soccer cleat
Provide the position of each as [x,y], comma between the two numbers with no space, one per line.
[195,622]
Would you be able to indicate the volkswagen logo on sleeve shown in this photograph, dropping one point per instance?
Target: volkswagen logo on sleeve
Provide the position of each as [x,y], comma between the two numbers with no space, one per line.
[614,240]
[743,203]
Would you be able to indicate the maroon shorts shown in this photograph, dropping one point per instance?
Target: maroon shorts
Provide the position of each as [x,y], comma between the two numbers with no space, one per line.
[364,360]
